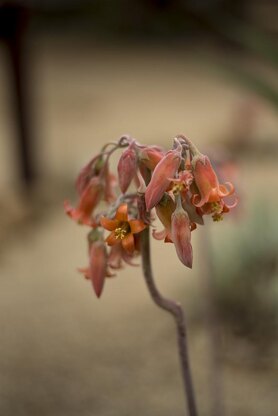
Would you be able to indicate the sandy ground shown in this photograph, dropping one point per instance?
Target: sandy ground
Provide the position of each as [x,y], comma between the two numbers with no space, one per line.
[62,351]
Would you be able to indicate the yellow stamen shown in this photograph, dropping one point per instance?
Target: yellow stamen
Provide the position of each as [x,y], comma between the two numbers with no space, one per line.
[120,233]
[217,217]
[215,206]
[177,188]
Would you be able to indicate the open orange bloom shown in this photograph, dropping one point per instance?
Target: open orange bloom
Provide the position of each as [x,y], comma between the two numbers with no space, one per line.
[122,229]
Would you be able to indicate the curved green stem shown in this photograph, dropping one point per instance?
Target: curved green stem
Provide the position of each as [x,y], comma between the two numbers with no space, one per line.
[177,312]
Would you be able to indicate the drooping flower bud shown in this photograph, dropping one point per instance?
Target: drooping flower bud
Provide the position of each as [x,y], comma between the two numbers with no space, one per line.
[181,235]
[161,178]
[127,167]
[98,266]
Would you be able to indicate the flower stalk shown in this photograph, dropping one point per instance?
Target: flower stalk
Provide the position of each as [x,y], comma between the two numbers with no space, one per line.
[175,309]
[179,186]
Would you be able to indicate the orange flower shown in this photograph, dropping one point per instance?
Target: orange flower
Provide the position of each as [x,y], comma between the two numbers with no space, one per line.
[122,229]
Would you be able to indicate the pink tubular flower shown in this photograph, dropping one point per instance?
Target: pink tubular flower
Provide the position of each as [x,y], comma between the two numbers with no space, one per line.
[181,235]
[97,269]
[127,167]
[161,178]
[88,200]
[207,182]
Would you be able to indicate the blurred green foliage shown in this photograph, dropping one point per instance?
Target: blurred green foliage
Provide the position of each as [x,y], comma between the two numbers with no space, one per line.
[246,278]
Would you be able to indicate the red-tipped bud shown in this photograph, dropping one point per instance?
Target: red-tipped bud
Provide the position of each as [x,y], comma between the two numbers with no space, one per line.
[127,167]
[161,178]
[98,266]
[181,235]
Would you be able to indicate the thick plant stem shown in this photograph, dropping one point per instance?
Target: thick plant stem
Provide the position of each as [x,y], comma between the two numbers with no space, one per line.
[176,310]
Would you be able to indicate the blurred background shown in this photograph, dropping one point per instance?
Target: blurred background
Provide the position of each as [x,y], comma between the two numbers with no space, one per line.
[74,75]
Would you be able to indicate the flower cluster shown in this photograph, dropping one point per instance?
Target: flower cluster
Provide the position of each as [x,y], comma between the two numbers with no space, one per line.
[180,186]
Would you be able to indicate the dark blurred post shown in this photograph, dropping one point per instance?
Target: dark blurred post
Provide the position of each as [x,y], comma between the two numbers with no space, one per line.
[13,24]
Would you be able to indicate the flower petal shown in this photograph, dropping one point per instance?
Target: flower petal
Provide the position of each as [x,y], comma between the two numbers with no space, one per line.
[128,243]
[198,202]
[85,271]
[109,224]
[128,259]
[159,235]
[136,226]
[223,191]
[121,214]
[191,210]
[111,239]
[233,205]
[115,257]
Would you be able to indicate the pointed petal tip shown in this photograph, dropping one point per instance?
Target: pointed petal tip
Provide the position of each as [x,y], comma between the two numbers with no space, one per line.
[122,213]
[98,294]
[98,287]
[187,261]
